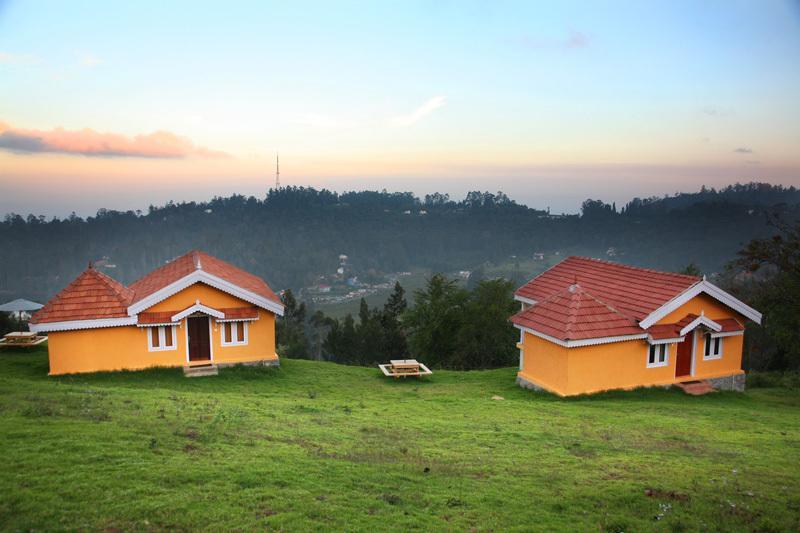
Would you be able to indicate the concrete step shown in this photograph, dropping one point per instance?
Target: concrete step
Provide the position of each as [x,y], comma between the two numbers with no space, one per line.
[696,388]
[198,371]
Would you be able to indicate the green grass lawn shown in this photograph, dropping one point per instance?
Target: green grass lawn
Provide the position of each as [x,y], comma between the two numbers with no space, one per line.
[316,446]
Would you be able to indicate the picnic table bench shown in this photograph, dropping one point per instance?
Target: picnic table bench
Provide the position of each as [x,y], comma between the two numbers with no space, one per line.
[21,338]
[400,368]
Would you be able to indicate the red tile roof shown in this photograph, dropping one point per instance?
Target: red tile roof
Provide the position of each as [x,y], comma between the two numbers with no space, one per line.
[196,260]
[574,314]
[634,291]
[92,295]
[157,317]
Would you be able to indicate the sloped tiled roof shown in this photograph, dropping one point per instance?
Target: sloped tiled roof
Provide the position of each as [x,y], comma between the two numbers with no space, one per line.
[197,260]
[574,314]
[634,291]
[93,295]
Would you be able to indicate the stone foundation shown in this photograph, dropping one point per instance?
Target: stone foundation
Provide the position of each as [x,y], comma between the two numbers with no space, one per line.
[263,362]
[732,383]
[525,384]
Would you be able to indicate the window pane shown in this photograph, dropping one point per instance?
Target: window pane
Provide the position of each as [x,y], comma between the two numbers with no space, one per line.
[717,342]
[227,332]
[240,331]
[652,357]
[708,344]
[154,337]
[663,355]
[168,336]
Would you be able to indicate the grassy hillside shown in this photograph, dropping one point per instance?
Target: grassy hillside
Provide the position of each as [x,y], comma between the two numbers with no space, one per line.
[319,446]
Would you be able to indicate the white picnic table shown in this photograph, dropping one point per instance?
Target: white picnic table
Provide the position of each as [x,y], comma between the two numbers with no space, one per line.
[400,368]
[21,338]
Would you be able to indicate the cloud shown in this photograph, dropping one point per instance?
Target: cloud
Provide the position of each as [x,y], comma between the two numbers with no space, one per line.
[575,40]
[91,143]
[743,150]
[17,59]
[89,60]
[421,112]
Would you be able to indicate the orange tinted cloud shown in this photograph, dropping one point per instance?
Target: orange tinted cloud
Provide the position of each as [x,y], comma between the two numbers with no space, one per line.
[88,142]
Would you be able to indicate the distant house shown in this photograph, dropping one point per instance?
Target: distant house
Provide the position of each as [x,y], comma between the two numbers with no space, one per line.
[588,325]
[195,310]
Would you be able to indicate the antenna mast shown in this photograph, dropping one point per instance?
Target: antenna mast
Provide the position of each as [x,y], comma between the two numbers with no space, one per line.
[277,171]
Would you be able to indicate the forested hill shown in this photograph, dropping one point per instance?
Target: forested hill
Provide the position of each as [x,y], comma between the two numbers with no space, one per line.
[295,234]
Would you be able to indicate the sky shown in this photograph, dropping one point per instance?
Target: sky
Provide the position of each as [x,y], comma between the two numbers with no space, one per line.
[121,105]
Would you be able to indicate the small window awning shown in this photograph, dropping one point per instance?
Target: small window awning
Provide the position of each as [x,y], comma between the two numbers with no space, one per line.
[669,333]
[173,318]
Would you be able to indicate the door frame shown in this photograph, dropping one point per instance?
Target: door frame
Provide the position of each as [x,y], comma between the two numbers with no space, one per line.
[691,354]
[210,339]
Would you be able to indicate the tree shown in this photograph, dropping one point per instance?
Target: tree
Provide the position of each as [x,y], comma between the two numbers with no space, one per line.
[487,337]
[691,270]
[395,345]
[775,344]
[434,323]
[290,328]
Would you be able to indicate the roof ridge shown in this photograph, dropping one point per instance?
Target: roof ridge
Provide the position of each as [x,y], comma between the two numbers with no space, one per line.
[626,266]
[610,307]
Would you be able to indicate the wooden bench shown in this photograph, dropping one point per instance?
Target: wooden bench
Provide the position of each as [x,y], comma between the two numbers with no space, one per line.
[400,368]
[21,339]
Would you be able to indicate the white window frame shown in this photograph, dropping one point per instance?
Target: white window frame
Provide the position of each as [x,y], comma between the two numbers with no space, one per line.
[708,347]
[664,349]
[245,332]
[161,339]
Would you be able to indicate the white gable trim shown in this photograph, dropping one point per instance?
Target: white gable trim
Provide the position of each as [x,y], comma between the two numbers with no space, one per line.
[651,340]
[82,324]
[200,276]
[583,342]
[727,334]
[709,288]
[197,308]
[525,300]
[702,320]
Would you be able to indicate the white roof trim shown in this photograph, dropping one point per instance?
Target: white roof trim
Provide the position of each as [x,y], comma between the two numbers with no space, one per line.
[197,308]
[727,334]
[157,324]
[651,340]
[525,300]
[702,320]
[210,280]
[223,320]
[69,325]
[708,288]
[583,342]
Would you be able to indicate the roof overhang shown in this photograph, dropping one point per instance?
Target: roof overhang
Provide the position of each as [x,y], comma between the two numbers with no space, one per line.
[673,340]
[197,308]
[577,343]
[702,320]
[708,288]
[201,276]
[70,325]
[523,299]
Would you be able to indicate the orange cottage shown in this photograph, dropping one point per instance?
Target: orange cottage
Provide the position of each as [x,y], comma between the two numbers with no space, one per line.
[194,311]
[588,325]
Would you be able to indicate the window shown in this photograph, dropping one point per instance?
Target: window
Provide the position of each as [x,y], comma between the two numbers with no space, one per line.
[658,355]
[234,333]
[713,347]
[161,338]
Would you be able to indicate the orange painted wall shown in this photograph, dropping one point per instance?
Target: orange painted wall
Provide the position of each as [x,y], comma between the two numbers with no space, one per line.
[623,365]
[126,347]
[544,363]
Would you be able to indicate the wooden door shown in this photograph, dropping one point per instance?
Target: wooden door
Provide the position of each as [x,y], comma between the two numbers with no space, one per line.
[683,364]
[199,341]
